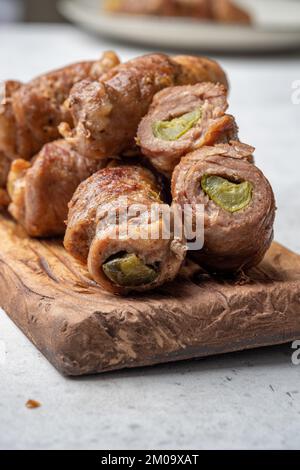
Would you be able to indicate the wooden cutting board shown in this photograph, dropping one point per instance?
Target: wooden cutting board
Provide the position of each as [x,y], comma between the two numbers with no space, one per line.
[82,330]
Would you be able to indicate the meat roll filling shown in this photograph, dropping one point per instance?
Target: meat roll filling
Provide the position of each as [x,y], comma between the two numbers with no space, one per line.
[122,258]
[239,205]
[107,113]
[182,119]
[41,190]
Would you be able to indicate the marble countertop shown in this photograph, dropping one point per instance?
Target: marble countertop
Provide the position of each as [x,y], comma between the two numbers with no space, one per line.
[248,400]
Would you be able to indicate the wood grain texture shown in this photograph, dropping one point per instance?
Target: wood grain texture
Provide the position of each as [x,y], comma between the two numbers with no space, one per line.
[83,330]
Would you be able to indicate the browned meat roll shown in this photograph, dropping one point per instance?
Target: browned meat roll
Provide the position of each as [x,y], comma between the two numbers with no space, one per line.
[107,113]
[30,113]
[239,206]
[4,199]
[215,10]
[122,260]
[182,119]
[41,190]
[33,111]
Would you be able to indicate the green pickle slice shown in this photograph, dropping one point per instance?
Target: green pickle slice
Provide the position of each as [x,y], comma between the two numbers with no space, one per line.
[232,197]
[129,270]
[177,127]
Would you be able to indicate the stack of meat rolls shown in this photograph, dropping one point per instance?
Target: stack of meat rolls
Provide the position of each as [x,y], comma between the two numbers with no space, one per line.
[120,262]
[31,113]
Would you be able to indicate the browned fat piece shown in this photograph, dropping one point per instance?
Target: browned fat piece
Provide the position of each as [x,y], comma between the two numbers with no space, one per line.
[107,112]
[136,261]
[239,205]
[41,190]
[30,113]
[182,119]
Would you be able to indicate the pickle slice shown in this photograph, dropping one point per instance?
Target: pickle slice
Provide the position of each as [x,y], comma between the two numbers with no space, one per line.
[232,197]
[129,270]
[177,127]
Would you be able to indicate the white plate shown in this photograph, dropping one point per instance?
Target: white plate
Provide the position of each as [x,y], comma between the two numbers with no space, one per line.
[276,27]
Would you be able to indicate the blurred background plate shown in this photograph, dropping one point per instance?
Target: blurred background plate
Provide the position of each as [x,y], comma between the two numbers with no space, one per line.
[276,26]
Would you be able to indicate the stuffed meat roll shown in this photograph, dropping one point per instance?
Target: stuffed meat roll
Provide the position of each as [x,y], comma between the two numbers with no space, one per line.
[107,112]
[239,205]
[182,119]
[41,190]
[215,10]
[119,258]
[30,113]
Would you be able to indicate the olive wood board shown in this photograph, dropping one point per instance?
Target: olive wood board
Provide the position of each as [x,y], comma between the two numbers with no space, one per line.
[83,330]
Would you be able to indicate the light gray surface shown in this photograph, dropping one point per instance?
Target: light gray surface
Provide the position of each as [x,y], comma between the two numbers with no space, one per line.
[243,400]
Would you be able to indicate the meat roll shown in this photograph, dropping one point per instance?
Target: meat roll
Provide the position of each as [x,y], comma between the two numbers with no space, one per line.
[122,263]
[215,10]
[239,205]
[107,113]
[195,8]
[7,135]
[41,190]
[182,119]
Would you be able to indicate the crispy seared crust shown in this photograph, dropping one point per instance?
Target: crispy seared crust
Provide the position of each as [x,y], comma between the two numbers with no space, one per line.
[232,241]
[213,127]
[40,191]
[92,241]
[107,113]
